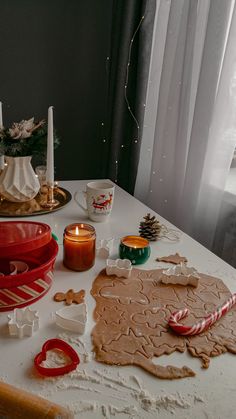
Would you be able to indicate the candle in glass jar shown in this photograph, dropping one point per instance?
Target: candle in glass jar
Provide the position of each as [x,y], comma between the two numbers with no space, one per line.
[79,246]
[134,248]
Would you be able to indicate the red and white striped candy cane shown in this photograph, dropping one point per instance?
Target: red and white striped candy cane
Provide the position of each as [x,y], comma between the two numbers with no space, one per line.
[203,324]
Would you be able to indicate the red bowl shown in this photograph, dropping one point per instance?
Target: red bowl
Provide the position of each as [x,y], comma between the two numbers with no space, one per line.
[26,288]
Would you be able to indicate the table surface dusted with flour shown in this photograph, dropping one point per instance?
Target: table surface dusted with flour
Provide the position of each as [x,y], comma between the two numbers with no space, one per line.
[97,390]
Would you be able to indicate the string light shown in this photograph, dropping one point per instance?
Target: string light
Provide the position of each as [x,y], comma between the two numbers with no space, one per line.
[102,132]
[125,92]
[127,77]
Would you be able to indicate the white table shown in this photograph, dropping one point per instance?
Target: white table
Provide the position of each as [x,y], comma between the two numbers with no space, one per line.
[210,394]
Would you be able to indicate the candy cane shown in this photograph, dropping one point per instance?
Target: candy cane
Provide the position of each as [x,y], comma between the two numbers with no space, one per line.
[203,324]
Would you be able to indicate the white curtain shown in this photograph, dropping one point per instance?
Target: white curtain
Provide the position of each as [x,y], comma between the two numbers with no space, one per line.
[189,133]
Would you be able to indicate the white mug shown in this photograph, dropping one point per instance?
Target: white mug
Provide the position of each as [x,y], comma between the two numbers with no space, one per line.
[99,199]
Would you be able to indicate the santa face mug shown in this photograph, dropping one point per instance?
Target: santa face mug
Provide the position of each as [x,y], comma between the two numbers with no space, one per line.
[99,198]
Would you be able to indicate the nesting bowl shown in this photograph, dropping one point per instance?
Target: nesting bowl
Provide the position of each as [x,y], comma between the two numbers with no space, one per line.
[31,243]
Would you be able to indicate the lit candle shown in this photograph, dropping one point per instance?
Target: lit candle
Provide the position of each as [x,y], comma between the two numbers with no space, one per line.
[50,149]
[1,126]
[79,246]
[134,248]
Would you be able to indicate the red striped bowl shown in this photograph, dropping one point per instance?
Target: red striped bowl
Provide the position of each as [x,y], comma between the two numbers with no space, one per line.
[26,288]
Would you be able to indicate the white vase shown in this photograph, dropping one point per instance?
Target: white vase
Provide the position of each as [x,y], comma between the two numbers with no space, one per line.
[18,181]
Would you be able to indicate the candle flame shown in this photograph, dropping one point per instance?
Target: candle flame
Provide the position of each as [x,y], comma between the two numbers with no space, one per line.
[77,231]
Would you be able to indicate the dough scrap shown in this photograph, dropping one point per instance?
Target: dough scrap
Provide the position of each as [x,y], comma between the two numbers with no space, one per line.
[176,259]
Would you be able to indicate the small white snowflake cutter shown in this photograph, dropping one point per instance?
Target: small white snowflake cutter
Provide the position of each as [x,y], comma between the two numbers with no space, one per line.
[104,247]
[72,318]
[119,267]
[23,322]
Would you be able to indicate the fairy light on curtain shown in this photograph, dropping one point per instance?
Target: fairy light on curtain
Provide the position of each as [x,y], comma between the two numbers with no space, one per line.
[102,135]
[137,138]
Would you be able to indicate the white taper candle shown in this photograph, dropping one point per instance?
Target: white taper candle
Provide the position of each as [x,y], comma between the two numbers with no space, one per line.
[50,149]
[1,126]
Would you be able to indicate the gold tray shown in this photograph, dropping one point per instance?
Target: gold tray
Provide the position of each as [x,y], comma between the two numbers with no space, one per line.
[33,207]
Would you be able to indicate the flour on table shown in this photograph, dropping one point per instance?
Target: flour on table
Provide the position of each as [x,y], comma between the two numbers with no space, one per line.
[87,356]
[121,388]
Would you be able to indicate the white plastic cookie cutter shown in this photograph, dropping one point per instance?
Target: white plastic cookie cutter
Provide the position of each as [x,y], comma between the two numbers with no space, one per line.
[23,322]
[104,247]
[180,274]
[17,267]
[119,267]
[72,318]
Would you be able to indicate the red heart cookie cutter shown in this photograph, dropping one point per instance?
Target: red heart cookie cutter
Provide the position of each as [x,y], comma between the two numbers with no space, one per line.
[63,346]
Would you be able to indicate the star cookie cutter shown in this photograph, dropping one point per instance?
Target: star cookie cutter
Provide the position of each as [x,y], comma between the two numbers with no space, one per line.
[104,248]
[119,267]
[72,318]
[23,322]
[180,275]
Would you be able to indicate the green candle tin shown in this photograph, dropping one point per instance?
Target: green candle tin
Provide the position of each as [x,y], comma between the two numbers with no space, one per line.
[134,248]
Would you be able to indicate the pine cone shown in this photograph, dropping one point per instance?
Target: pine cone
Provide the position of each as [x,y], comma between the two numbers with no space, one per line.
[150,228]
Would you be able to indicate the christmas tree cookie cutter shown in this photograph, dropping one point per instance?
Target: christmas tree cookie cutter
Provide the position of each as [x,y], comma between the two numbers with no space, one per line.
[23,322]
[72,318]
[119,267]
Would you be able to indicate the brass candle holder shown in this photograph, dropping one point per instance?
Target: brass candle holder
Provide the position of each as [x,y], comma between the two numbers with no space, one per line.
[50,201]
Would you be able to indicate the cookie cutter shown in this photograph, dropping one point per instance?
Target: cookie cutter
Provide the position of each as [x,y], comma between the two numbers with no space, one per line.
[72,318]
[119,267]
[104,247]
[62,346]
[23,322]
[180,274]
[17,267]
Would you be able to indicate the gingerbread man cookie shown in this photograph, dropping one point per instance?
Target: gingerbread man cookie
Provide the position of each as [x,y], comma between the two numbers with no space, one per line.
[70,297]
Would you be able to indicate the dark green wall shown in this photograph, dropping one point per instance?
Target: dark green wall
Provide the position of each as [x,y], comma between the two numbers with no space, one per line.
[54,52]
